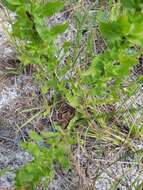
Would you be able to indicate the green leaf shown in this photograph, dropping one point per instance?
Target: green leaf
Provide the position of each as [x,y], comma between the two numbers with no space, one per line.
[128,3]
[42,29]
[111,31]
[23,29]
[11,5]
[123,21]
[34,136]
[34,149]
[132,4]
[28,177]
[126,62]
[73,100]
[59,29]
[14,2]
[49,134]
[51,8]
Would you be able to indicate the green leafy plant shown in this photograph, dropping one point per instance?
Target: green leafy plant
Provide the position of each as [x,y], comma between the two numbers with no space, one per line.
[35,40]
[48,150]
[101,83]
[90,87]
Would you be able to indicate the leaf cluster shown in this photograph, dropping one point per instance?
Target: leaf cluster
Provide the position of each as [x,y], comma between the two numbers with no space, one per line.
[48,150]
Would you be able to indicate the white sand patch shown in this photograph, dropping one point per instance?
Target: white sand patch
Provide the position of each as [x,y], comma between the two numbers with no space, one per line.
[7,96]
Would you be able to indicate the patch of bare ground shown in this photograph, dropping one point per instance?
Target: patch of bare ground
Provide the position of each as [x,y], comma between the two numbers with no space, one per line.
[16,94]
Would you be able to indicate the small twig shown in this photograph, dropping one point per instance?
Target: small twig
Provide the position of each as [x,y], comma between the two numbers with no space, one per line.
[5,138]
